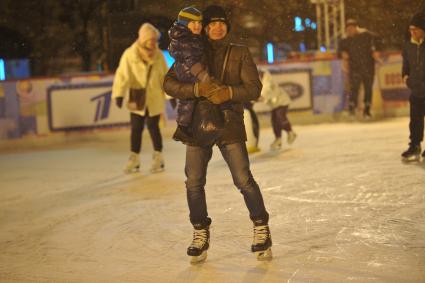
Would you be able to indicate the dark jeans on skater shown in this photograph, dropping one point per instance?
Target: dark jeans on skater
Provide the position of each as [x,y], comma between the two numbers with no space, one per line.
[280,121]
[236,157]
[357,77]
[416,125]
[137,126]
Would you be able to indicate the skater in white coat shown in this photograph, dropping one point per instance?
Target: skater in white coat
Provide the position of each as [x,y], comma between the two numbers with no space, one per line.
[142,69]
[278,100]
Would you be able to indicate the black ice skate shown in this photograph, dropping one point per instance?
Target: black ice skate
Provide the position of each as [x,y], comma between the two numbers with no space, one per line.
[412,154]
[366,113]
[199,246]
[262,242]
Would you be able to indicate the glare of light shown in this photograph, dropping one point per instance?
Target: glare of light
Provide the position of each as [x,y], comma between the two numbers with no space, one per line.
[2,70]
[298,24]
[168,59]
[322,49]
[307,22]
[270,55]
[302,47]
[313,25]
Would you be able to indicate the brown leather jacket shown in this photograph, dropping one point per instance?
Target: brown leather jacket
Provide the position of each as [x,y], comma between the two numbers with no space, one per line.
[240,73]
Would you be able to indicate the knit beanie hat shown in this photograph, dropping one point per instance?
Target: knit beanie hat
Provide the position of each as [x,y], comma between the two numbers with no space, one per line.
[418,21]
[148,31]
[214,13]
[351,22]
[189,14]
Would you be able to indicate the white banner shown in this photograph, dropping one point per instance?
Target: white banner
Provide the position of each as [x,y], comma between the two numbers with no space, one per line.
[79,106]
[297,83]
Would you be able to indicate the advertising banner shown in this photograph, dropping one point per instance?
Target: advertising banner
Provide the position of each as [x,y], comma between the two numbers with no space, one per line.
[82,106]
[297,83]
[391,83]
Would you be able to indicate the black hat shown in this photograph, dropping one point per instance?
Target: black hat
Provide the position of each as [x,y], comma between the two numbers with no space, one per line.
[418,21]
[214,13]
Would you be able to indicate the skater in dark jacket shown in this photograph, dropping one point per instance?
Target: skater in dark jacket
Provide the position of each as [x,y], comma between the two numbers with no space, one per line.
[233,66]
[360,48]
[413,73]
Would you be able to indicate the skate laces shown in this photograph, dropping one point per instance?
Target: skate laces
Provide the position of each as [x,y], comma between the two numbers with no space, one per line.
[261,234]
[199,238]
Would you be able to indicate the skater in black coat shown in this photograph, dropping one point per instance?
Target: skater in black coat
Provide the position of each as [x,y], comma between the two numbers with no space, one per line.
[413,73]
[360,48]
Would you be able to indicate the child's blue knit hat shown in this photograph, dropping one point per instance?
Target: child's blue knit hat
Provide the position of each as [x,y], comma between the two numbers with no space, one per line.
[189,14]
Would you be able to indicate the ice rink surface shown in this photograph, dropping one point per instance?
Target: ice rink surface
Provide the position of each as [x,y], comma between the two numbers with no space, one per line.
[343,208]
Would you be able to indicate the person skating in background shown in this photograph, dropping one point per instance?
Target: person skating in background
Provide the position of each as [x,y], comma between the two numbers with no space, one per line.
[361,48]
[413,72]
[278,100]
[142,68]
[241,84]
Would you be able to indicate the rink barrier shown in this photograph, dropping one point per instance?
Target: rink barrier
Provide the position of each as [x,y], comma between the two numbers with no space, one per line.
[40,107]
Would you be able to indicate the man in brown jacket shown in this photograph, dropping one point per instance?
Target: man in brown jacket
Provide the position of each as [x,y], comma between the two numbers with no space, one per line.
[239,82]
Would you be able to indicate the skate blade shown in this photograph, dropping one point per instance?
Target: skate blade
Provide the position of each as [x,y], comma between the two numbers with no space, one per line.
[158,170]
[264,255]
[275,149]
[411,159]
[133,170]
[198,259]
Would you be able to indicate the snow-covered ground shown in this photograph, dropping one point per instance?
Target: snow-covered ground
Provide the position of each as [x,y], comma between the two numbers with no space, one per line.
[343,209]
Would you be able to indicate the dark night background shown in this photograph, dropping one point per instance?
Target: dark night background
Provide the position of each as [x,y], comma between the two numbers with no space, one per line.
[71,36]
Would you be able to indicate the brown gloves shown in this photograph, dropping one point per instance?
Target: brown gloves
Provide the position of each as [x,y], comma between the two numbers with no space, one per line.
[214,91]
[205,89]
[220,96]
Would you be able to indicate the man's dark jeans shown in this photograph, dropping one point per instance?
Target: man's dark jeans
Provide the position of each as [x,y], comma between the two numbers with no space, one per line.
[236,157]
[416,125]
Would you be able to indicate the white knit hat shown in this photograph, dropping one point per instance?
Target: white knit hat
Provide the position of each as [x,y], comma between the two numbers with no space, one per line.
[148,31]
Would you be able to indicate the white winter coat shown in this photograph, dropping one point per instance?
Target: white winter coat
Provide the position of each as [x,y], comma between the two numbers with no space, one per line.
[131,73]
[274,96]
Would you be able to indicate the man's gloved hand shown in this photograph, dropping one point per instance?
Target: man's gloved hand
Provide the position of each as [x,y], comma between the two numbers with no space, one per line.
[119,101]
[206,89]
[220,96]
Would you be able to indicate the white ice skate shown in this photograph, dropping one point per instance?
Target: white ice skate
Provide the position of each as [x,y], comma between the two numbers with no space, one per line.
[276,144]
[291,137]
[133,164]
[262,243]
[199,246]
[157,162]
